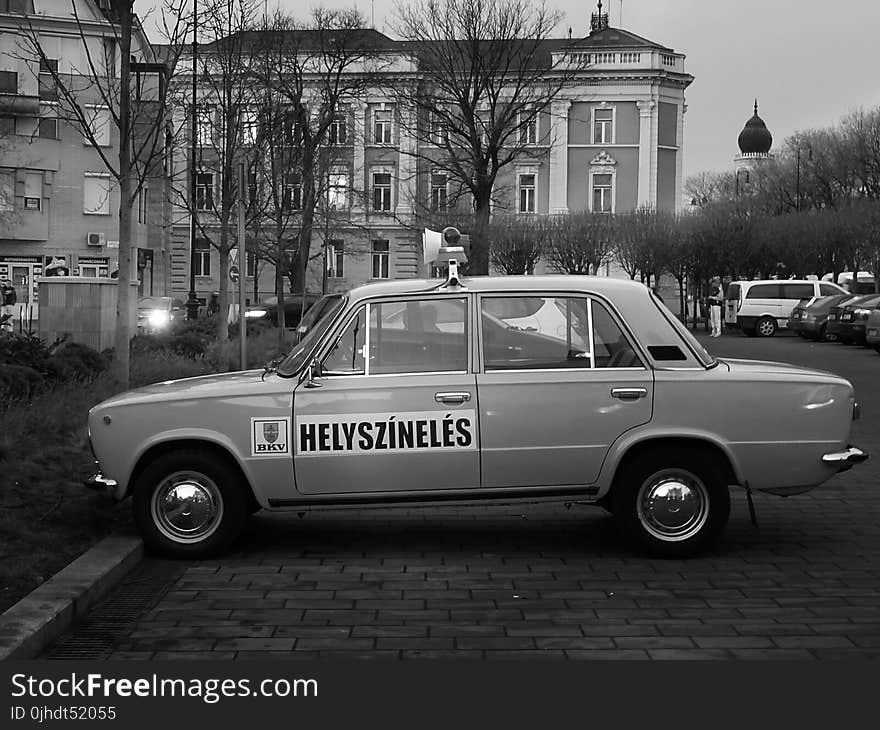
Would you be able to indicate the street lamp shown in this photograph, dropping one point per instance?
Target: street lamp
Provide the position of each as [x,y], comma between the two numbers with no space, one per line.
[192,303]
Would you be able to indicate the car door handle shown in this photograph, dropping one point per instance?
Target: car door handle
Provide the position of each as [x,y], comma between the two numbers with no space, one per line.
[452,397]
[629,393]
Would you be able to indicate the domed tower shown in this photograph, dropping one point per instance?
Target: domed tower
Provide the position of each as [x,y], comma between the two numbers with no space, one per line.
[754,143]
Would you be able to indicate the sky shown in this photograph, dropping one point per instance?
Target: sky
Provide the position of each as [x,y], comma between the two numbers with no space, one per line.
[808,62]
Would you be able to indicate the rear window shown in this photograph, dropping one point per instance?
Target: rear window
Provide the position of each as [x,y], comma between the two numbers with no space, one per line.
[797,291]
[765,291]
[733,291]
[828,290]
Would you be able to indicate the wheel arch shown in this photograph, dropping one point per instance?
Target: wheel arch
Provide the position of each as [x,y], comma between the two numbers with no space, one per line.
[700,443]
[170,445]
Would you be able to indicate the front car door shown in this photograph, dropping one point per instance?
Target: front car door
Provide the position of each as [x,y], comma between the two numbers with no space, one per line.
[395,409]
[555,395]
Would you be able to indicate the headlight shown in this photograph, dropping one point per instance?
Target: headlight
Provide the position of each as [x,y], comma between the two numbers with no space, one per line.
[862,313]
[809,318]
[255,313]
[158,318]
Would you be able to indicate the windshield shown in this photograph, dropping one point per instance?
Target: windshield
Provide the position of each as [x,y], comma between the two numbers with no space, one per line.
[701,352]
[301,351]
[154,303]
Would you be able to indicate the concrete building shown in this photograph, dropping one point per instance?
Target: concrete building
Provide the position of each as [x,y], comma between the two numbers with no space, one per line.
[611,141]
[59,204]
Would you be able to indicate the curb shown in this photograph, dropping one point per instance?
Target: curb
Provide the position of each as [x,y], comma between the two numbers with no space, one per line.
[49,610]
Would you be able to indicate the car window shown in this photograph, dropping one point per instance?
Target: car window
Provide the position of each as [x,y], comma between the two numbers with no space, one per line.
[418,336]
[556,335]
[154,303]
[307,344]
[797,291]
[828,290]
[733,291]
[346,357]
[611,348]
[765,291]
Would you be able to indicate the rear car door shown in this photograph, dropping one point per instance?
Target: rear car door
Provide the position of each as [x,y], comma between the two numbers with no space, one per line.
[553,397]
[763,299]
[732,302]
[394,409]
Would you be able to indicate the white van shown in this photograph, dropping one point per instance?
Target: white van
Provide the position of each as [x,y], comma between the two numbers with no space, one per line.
[761,307]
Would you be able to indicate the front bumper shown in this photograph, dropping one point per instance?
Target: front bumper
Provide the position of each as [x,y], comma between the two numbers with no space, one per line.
[845,459]
[100,483]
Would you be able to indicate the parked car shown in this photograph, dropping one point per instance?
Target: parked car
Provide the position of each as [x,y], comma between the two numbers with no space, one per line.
[872,329]
[762,307]
[847,320]
[159,314]
[267,311]
[810,317]
[624,409]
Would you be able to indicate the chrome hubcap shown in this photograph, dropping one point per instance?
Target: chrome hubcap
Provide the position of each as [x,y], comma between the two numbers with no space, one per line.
[673,505]
[187,507]
[766,328]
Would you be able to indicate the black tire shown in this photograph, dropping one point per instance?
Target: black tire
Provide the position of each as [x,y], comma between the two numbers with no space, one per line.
[765,327]
[207,483]
[876,348]
[646,528]
[821,334]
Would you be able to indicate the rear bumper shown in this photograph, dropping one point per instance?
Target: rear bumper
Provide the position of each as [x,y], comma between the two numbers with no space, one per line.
[845,459]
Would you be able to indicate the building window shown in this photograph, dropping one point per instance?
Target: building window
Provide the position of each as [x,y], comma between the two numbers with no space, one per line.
[249,126]
[439,134]
[292,132]
[528,128]
[98,119]
[337,191]
[47,89]
[205,191]
[7,191]
[142,205]
[382,126]
[48,128]
[603,126]
[382,191]
[33,191]
[335,259]
[96,193]
[292,199]
[380,255]
[8,82]
[438,192]
[527,193]
[202,253]
[337,133]
[7,125]
[603,193]
[205,126]
[251,264]
[12,6]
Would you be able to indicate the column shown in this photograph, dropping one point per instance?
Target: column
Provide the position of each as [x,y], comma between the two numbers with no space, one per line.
[679,156]
[559,155]
[647,153]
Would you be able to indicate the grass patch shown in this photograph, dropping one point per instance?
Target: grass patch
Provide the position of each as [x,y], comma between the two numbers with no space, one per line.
[47,517]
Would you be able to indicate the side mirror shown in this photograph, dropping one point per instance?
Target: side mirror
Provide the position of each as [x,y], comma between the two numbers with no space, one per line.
[313,373]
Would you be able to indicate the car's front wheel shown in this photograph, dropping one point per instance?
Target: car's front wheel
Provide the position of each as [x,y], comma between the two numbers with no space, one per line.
[673,504]
[189,504]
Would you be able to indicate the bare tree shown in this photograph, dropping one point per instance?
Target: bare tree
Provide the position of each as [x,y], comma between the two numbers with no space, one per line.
[485,79]
[135,97]
[579,243]
[516,244]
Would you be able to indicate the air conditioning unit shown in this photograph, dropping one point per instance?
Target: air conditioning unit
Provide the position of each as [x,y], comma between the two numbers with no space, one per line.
[96,239]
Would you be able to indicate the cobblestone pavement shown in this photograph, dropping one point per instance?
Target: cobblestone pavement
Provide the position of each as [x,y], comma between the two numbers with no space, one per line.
[546,581]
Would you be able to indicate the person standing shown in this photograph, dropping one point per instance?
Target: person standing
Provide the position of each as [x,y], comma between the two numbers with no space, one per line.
[716,300]
[7,302]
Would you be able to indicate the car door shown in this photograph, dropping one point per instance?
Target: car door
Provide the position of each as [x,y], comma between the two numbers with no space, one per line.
[550,403]
[394,409]
[764,299]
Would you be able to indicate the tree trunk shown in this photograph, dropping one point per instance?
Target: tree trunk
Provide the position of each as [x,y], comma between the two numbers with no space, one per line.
[478,258]
[124,299]
[222,275]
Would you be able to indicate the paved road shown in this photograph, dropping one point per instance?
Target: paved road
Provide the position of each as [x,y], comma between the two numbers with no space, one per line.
[537,581]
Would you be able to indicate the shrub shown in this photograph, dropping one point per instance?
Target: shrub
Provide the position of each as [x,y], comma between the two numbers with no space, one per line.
[26,350]
[73,360]
[156,367]
[19,383]
[261,347]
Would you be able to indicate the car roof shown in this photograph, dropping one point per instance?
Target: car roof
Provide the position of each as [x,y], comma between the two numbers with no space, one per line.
[597,284]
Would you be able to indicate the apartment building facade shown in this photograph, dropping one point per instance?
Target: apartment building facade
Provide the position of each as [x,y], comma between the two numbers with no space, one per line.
[59,204]
[611,141]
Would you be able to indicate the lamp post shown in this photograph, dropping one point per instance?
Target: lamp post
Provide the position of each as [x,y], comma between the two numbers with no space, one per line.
[192,303]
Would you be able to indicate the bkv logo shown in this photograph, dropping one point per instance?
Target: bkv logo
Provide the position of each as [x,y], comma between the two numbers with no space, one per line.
[270,436]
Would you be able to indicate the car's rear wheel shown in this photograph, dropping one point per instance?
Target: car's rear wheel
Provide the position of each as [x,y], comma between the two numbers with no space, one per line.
[672,503]
[765,327]
[189,504]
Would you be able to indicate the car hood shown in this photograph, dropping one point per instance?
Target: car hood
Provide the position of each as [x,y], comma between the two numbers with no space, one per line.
[205,386]
[777,370]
